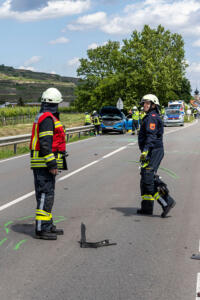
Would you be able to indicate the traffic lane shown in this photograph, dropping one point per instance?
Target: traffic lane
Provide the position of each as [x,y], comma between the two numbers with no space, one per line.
[149,251]
[17,178]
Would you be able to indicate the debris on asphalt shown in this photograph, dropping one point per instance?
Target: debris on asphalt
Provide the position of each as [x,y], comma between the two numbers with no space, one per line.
[85,244]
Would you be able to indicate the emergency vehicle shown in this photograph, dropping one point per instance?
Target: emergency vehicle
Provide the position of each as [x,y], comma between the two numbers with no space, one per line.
[177,104]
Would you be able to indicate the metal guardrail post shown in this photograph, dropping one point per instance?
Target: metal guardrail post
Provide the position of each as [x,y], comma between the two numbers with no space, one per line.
[15,148]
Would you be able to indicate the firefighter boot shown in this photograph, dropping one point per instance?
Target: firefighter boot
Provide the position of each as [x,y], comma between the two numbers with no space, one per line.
[146,208]
[170,204]
[45,235]
[57,231]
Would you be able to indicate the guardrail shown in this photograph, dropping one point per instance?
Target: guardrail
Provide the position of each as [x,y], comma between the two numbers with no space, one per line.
[23,138]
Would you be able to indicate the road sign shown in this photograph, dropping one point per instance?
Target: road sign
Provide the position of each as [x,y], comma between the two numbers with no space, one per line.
[120,104]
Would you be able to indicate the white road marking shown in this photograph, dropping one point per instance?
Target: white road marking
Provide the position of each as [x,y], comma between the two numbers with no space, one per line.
[17,200]
[3,207]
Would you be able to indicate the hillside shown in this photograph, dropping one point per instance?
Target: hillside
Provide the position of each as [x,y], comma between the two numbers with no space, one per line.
[28,85]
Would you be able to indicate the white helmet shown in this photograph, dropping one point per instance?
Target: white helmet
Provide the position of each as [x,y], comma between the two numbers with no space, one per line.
[94,112]
[51,95]
[150,97]
[134,107]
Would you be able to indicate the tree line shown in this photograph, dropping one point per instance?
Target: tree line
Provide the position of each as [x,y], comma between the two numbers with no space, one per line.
[150,61]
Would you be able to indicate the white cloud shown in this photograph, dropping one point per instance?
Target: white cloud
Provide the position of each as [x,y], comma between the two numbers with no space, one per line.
[27,68]
[194,68]
[73,62]
[61,40]
[95,45]
[89,21]
[32,60]
[177,15]
[53,9]
[196,43]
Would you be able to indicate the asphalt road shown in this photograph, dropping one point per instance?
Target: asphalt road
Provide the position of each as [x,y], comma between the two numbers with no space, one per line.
[152,258]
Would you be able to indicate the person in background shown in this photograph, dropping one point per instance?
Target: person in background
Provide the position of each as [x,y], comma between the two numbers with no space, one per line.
[88,119]
[135,118]
[96,119]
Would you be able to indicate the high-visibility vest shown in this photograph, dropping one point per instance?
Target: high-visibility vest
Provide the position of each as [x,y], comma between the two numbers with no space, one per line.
[162,111]
[58,145]
[96,120]
[142,115]
[88,119]
[135,115]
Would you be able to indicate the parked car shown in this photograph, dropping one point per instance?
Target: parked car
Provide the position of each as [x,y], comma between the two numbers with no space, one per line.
[113,120]
[173,117]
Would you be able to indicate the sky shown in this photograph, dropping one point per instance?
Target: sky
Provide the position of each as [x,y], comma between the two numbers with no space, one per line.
[52,35]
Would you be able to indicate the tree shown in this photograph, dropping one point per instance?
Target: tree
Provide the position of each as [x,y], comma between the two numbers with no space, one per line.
[20,102]
[185,92]
[152,61]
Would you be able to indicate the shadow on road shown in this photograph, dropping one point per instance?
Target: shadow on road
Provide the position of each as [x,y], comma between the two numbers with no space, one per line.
[132,211]
[24,228]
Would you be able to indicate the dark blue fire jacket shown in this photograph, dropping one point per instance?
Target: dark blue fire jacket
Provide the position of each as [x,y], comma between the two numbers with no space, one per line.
[151,132]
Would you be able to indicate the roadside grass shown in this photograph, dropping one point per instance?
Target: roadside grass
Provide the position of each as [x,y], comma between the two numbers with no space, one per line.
[69,120]
[188,120]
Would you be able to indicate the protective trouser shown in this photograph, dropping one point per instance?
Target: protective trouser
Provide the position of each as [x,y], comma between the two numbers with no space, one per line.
[135,125]
[162,194]
[148,186]
[44,191]
[97,129]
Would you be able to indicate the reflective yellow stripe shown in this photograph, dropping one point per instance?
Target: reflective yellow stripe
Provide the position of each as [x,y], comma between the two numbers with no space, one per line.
[148,197]
[156,196]
[45,133]
[40,162]
[35,138]
[42,215]
[49,157]
[58,124]
[38,165]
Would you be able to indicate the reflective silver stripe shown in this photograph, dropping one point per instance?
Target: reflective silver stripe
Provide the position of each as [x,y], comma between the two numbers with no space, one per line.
[37,117]
[42,201]
[39,222]
[162,201]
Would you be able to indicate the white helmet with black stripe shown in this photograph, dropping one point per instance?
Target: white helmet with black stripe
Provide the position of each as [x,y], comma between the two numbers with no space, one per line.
[150,97]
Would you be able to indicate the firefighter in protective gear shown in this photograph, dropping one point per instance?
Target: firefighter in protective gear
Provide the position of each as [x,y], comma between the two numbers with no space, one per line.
[135,118]
[96,120]
[162,111]
[142,115]
[150,142]
[48,151]
[88,120]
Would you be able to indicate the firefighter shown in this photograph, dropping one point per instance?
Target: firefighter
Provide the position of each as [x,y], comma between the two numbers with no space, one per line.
[88,120]
[135,118]
[96,119]
[162,112]
[142,115]
[48,151]
[150,140]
